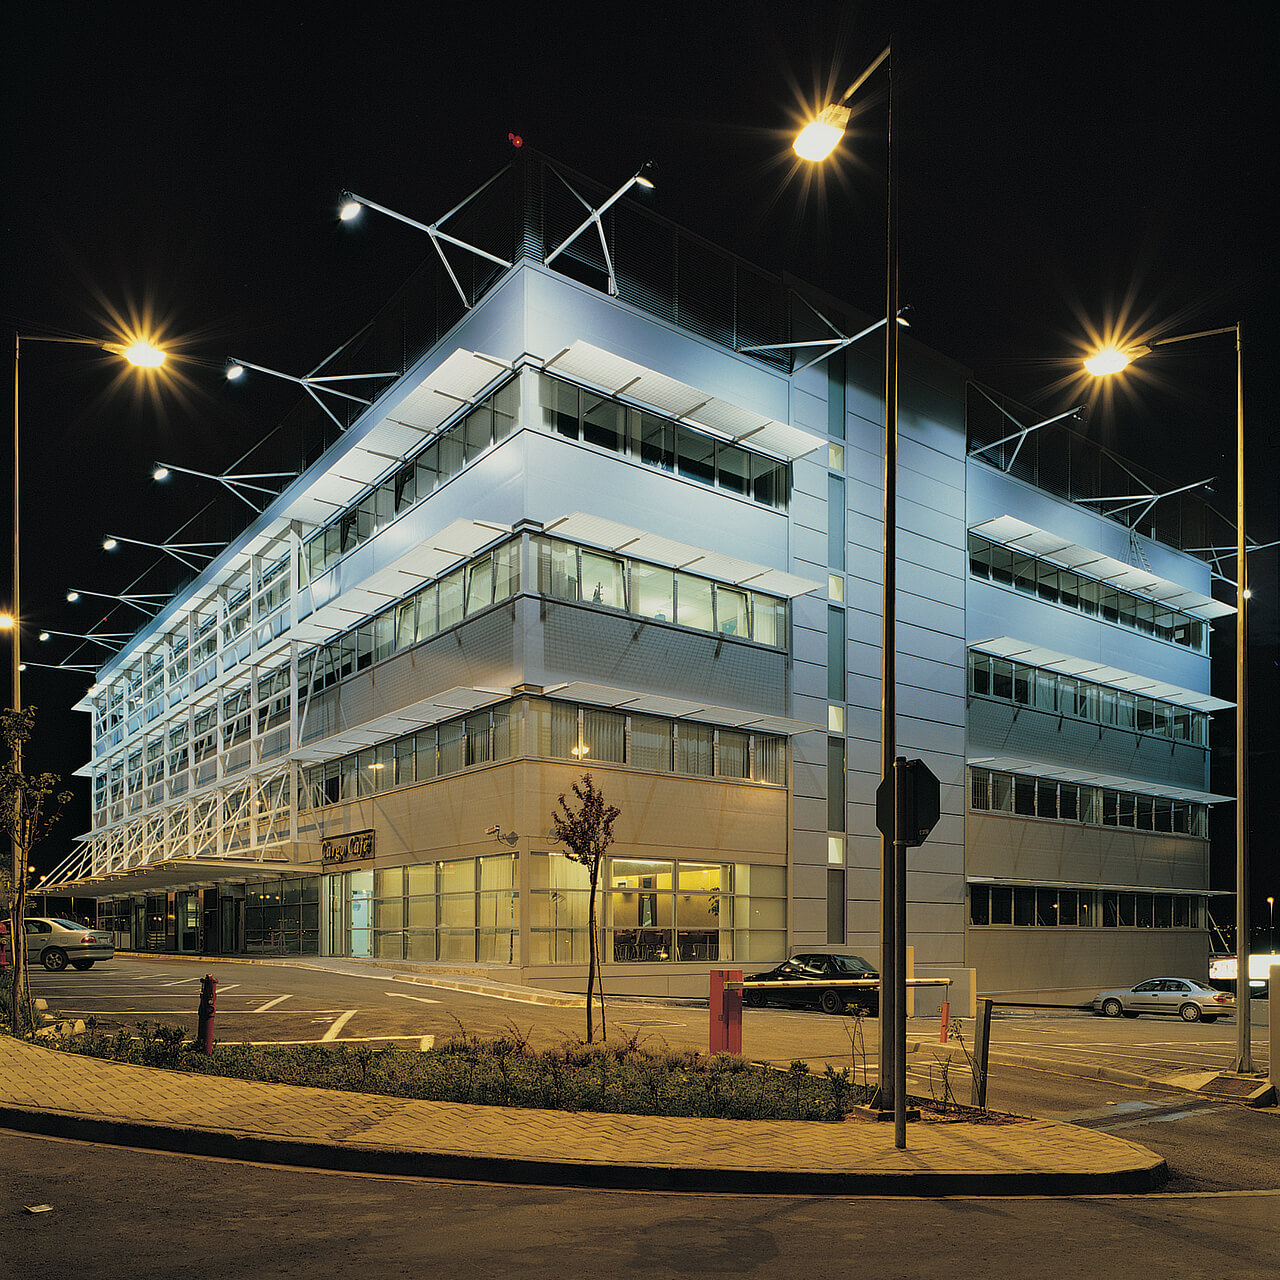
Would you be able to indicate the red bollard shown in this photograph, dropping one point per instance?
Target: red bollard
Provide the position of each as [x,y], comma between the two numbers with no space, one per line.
[946,1022]
[208,1007]
[726,1012]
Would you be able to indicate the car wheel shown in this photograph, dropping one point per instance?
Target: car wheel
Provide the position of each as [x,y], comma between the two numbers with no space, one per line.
[1112,1008]
[1190,1013]
[82,964]
[831,1002]
[753,999]
[54,959]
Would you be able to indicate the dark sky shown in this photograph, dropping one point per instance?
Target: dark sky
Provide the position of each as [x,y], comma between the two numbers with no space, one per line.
[1062,168]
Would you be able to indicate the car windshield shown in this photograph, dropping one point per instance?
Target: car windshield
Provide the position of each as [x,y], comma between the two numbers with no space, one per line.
[851,964]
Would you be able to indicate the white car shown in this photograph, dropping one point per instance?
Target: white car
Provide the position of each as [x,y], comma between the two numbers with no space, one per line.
[1190,1000]
[56,942]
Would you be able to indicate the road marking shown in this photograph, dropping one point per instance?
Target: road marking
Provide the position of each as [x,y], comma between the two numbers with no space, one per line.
[420,999]
[271,1004]
[180,982]
[338,1023]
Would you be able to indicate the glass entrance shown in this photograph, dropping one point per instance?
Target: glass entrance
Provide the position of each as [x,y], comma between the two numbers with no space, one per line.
[351,914]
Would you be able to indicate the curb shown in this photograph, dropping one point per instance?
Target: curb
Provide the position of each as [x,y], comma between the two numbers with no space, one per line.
[354,1158]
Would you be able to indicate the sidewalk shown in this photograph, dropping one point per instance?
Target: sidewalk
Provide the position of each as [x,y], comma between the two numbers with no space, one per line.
[45,1091]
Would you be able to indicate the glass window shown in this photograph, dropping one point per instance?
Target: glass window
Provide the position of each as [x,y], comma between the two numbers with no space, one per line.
[697,456]
[653,439]
[506,409]
[479,584]
[506,570]
[732,617]
[652,592]
[694,602]
[651,742]
[733,467]
[604,579]
[452,748]
[771,759]
[770,481]
[451,599]
[602,422]
[694,750]
[603,735]
[769,620]
[735,759]
[559,404]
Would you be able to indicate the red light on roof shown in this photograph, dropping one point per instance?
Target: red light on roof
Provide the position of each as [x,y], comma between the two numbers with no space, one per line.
[515,139]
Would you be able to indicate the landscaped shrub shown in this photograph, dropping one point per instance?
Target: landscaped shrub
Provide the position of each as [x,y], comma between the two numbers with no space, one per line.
[620,1076]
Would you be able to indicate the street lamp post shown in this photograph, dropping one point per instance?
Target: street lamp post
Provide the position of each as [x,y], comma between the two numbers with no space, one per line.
[1113,361]
[816,142]
[142,354]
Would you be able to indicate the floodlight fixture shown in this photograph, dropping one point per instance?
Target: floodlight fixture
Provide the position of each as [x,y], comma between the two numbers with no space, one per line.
[195,555]
[643,178]
[235,483]
[350,205]
[314,382]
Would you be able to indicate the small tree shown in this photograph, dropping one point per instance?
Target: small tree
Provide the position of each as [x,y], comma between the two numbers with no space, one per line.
[586,833]
[30,805]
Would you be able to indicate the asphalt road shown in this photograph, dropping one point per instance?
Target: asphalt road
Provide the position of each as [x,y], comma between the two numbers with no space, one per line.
[118,1212]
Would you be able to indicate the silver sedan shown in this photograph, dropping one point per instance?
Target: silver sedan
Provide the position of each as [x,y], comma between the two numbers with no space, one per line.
[1185,998]
[55,942]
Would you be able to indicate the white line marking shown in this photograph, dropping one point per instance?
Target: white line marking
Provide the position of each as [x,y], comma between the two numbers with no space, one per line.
[428,1042]
[338,1023]
[420,999]
[180,982]
[271,1004]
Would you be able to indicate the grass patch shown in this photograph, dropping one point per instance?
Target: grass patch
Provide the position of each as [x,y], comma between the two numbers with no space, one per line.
[623,1077]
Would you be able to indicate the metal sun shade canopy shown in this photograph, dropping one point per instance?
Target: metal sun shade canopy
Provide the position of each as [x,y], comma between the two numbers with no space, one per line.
[625,378]
[1018,535]
[1035,655]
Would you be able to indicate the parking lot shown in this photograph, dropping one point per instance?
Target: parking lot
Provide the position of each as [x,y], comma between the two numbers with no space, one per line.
[289,1003]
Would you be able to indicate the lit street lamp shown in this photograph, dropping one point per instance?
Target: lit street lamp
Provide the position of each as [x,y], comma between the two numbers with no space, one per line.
[1114,360]
[142,354]
[816,141]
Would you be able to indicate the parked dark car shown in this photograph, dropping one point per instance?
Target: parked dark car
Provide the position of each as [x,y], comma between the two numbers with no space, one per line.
[54,942]
[815,969]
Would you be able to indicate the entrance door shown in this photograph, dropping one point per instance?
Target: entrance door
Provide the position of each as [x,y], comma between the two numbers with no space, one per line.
[231,912]
[189,921]
[360,913]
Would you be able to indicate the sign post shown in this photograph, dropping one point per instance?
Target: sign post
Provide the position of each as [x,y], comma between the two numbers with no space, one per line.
[908,805]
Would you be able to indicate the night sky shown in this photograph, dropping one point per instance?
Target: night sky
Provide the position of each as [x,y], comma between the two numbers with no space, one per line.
[1064,170]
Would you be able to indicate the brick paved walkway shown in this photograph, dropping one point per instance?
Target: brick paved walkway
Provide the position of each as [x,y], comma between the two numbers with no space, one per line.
[42,1090]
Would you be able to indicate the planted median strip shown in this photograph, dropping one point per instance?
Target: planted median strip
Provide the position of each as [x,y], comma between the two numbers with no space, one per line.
[621,1076]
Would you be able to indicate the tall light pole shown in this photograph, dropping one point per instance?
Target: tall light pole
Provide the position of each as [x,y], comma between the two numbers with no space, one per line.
[817,140]
[1113,361]
[142,354]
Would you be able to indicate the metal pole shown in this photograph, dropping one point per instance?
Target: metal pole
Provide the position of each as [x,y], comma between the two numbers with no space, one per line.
[17,940]
[1244,1057]
[892,1029]
[900,820]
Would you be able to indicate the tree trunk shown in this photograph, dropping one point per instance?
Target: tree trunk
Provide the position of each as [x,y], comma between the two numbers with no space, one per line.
[591,948]
[18,955]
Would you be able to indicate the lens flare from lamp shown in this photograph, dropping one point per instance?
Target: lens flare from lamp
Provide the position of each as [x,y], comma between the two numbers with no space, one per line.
[234,371]
[72,597]
[349,208]
[6,622]
[144,355]
[1112,360]
[160,473]
[818,139]
[109,544]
